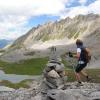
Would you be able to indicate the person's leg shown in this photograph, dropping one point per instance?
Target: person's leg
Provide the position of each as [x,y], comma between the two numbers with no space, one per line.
[77,70]
[78,77]
[84,74]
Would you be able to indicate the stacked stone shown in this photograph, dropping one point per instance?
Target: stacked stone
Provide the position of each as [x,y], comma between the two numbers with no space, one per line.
[54,74]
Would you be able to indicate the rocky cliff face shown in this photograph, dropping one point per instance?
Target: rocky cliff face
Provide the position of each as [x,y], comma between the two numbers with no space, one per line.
[63,32]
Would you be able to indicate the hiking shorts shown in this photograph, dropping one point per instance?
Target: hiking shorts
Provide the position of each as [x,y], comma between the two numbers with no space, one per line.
[80,67]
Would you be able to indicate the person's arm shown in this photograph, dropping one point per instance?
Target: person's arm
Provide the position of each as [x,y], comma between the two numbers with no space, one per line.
[77,55]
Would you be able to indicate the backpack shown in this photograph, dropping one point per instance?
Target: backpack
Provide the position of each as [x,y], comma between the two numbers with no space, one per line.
[86,54]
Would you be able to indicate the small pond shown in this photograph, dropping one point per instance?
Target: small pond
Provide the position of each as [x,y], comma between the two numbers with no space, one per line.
[16,78]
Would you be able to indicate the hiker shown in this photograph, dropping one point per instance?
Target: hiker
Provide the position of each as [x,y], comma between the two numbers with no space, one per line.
[82,60]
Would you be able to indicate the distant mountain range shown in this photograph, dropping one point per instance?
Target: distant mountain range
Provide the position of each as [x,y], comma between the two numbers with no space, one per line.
[63,32]
[4,42]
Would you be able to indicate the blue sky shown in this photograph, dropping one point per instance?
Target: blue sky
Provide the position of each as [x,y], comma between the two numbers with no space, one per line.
[18,16]
[42,19]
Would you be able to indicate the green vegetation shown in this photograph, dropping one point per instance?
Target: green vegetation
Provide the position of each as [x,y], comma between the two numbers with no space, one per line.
[93,73]
[28,67]
[76,35]
[23,84]
[64,61]
[45,37]
[1,50]
[53,36]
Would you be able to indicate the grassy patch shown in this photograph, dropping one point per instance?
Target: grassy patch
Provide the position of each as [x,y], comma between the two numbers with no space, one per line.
[76,35]
[22,84]
[93,73]
[1,50]
[28,67]
[66,63]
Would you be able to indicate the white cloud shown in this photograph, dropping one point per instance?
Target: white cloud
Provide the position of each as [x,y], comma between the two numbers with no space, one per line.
[14,14]
[31,7]
[82,2]
[73,11]
[12,26]
[95,7]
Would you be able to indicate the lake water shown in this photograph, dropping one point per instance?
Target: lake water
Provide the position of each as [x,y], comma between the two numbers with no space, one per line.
[16,78]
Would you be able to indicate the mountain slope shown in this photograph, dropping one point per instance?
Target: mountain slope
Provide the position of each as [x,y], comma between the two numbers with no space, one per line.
[63,32]
[67,28]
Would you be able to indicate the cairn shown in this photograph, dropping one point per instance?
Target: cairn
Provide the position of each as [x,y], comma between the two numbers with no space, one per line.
[54,74]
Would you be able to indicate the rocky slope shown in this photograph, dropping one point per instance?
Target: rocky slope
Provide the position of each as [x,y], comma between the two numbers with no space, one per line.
[89,91]
[61,33]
